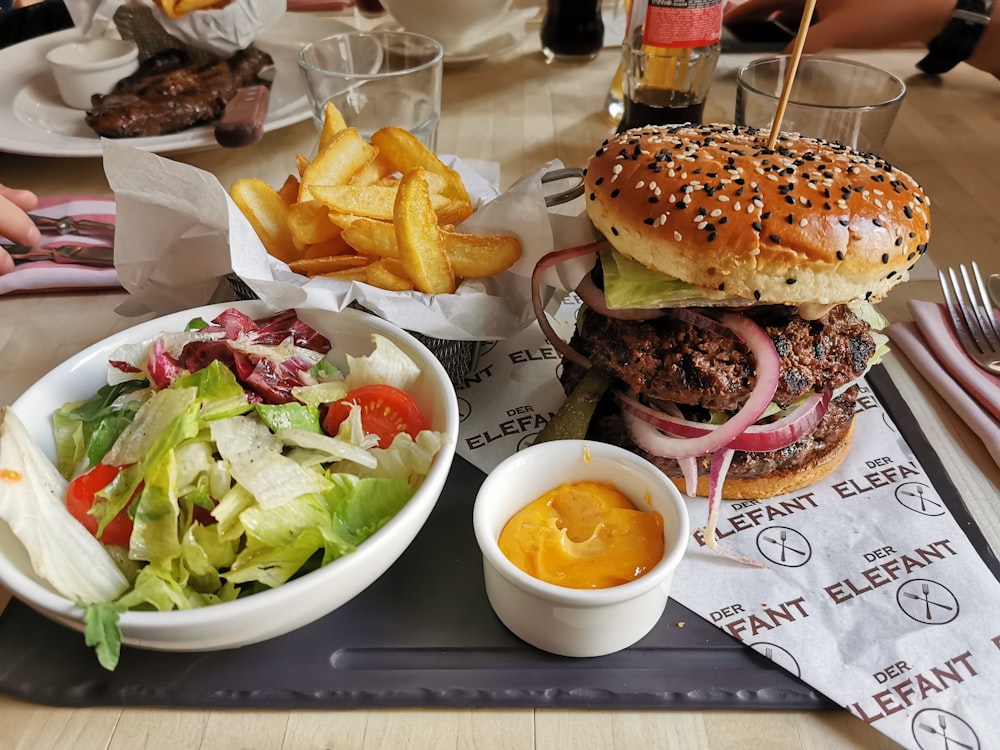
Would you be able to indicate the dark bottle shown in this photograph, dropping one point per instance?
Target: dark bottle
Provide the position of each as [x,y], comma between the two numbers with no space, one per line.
[572,30]
[669,56]
[369,8]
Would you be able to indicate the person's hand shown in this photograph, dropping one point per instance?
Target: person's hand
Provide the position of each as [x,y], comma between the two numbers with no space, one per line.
[857,24]
[15,224]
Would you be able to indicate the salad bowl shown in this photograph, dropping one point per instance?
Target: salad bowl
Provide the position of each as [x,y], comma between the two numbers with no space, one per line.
[297,602]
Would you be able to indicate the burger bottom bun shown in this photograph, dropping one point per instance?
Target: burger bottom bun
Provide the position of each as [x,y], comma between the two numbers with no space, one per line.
[780,482]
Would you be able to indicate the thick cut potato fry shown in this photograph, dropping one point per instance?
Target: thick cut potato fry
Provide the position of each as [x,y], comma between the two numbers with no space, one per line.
[359,273]
[405,152]
[476,255]
[267,214]
[333,123]
[372,201]
[418,237]
[323,266]
[388,274]
[309,223]
[336,164]
[372,237]
[373,172]
[453,212]
[289,191]
[332,246]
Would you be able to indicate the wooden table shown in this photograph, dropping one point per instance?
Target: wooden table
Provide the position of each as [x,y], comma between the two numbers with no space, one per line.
[519,112]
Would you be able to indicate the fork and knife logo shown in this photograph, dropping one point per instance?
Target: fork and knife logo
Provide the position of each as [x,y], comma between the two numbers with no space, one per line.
[784,546]
[927,601]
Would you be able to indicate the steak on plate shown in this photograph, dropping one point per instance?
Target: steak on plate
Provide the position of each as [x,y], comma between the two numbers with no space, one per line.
[169,93]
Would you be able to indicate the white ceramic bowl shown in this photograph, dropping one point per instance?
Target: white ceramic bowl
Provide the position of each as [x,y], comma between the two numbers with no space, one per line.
[276,611]
[90,66]
[576,622]
[456,24]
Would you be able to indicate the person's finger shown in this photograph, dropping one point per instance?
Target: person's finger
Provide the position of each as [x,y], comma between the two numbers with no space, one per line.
[6,263]
[24,199]
[16,225]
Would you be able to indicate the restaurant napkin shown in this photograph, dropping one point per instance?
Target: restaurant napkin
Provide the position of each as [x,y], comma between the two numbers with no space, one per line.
[974,394]
[42,275]
[872,594]
[180,237]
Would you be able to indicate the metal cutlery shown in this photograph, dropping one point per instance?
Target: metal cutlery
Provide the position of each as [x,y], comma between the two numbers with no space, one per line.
[71,225]
[993,287]
[972,316]
[82,255]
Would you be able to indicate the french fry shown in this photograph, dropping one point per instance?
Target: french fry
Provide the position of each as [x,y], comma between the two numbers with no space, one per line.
[309,222]
[336,164]
[267,214]
[418,237]
[388,274]
[359,273]
[373,201]
[453,212]
[289,191]
[374,172]
[476,255]
[329,264]
[332,246]
[405,152]
[372,237]
[333,123]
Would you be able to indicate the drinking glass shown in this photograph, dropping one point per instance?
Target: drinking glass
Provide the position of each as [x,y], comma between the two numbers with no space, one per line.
[834,99]
[376,79]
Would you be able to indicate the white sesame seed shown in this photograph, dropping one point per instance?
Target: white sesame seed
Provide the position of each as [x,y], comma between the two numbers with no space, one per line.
[687,198]
[673,198]
[677,236]
[750,208]
[663,219]
[723,198]
[889,205]
[772,176]
[803,222]
[737,206]
[878,203]
[716,212]
[617,169]
[702,224]
[639,184]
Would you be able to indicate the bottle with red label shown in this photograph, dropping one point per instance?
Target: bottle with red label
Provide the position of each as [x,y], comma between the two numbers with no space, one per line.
[669,56]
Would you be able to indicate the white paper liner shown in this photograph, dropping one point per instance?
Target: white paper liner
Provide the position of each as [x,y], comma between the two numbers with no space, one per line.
[846,610]
[180,235]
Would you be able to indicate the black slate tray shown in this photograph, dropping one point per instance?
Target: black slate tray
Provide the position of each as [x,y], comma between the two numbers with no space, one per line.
[424,635]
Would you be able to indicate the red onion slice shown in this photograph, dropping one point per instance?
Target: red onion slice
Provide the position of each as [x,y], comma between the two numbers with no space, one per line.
[546,262]
[758,438]
[768,362]
[717,477]
[596,300]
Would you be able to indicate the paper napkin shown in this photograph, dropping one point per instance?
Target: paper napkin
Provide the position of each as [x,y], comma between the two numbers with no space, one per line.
[47,276]
[974,394]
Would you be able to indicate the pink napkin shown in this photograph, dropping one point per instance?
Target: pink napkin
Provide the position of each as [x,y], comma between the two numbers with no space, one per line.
[929,342]
[47,276]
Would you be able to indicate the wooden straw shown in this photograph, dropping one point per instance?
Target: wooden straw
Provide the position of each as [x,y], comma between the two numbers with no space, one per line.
[793,66]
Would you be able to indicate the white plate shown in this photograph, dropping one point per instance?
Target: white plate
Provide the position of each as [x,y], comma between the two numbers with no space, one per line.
[512,34]
[37,123]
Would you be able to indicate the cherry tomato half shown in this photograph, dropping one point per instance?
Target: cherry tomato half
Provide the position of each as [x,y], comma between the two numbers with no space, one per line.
[80,496]
[385,412]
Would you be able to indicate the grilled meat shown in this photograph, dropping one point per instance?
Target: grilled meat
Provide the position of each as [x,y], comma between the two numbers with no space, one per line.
[169,93]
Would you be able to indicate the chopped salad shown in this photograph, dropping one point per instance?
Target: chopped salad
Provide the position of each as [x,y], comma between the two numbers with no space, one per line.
[227,459]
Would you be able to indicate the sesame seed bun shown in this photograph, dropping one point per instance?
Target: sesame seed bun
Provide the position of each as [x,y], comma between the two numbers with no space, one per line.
[807,222]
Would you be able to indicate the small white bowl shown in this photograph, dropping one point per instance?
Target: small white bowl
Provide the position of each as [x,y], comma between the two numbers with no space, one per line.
[566,621]
[90,66]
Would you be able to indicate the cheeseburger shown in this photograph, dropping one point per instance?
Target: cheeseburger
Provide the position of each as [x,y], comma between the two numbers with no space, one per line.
[732,302]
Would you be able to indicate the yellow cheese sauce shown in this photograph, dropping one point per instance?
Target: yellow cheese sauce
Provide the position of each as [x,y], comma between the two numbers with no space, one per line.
[584,535]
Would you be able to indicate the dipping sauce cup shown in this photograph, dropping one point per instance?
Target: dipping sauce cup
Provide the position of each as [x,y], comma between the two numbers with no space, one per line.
[92,66]
[573,621]
[376,79]
[834,99]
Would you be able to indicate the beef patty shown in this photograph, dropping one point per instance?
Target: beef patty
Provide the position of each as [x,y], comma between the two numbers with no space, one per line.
[672,360]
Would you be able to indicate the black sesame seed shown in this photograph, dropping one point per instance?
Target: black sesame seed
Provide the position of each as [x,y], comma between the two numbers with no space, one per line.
[876,222]
[614,231]
[712,236]
[789,199]
[593,197]
[789,281]
[908,211]
[899,241]
[844,223]
[775,239]
[766,215]
[722,287]
[649,222]
[757,227]
[756,294]
[615,193]
[790,219]
[840,255]
[885,257]
[653,199]
[680,204]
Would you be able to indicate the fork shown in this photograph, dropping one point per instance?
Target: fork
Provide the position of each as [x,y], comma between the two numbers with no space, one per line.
[72,225]
[972,316]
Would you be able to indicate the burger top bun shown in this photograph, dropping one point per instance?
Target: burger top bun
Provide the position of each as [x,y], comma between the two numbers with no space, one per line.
[808,222]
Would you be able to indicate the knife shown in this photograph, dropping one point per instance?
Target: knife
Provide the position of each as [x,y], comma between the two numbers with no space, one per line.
[242,122]
[72,225]
[81,255]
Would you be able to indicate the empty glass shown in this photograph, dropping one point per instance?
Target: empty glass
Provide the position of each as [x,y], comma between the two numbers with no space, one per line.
[834,99]
[376,79]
